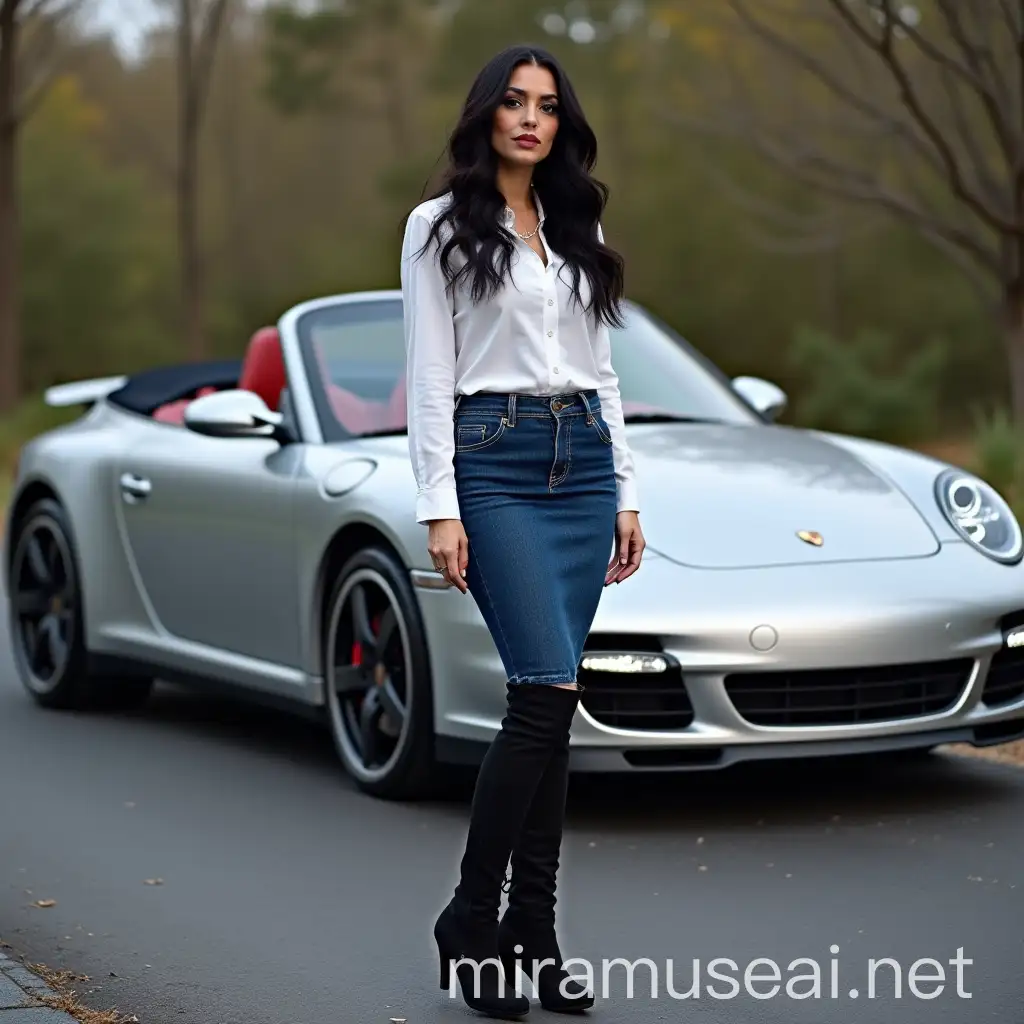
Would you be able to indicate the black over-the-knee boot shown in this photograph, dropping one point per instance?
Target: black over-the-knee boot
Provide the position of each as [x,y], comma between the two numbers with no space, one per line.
[538,717]
[526,935]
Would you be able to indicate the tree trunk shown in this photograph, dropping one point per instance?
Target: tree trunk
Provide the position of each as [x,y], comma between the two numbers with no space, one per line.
[190,268]
[188,235]
[10,341]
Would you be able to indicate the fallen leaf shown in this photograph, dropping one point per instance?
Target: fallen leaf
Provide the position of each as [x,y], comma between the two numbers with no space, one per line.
[154,881]
[45,903]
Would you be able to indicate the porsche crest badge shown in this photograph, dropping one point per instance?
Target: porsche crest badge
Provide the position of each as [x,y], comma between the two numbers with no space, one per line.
[811,537]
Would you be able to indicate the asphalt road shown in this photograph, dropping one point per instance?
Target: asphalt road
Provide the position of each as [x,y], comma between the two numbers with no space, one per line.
[290,898]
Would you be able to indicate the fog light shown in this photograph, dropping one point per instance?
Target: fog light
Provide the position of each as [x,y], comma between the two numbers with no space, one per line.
[1015,639]
[626,662]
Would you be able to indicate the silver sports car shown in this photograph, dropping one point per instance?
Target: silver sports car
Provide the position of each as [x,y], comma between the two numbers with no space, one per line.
[251,524]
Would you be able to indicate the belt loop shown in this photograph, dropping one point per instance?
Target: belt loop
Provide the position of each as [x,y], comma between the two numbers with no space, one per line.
[458,399]
[510,417]
[586,402]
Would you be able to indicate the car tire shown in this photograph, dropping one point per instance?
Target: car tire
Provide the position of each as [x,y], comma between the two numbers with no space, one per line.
[46,619]
[376,665]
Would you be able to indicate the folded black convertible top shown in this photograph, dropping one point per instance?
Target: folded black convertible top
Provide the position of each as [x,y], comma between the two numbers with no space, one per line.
[149,389]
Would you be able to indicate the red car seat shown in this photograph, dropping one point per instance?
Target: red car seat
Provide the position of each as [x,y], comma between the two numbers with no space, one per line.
[263,370]
[262,373]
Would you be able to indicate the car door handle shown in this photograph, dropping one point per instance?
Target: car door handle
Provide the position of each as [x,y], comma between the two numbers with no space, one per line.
[135,488]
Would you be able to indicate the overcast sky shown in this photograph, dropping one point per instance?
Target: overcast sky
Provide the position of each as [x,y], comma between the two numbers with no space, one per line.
[127,20]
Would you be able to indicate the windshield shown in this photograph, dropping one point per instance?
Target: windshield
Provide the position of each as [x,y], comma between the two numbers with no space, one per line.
[355,357]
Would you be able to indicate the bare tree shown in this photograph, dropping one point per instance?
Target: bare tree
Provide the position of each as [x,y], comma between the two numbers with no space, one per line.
[29,55]
[199,24]
[915,110]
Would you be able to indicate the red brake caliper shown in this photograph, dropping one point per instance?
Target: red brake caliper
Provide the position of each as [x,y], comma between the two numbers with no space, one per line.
[357,647]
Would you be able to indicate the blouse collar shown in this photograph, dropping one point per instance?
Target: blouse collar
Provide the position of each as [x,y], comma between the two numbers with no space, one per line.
[509,218]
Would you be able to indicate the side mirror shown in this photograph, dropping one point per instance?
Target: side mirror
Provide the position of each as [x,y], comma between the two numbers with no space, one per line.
[767,398]
[234,413]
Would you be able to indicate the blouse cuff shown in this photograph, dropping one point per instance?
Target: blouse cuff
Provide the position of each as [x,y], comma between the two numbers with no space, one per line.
[437,503]
[629,498]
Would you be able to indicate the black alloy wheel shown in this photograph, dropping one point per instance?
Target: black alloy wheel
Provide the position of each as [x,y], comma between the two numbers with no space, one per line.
[46,618]
[377,678]
[44,598]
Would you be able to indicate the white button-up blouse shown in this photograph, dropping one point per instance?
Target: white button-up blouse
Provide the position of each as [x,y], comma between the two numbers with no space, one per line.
[530,338]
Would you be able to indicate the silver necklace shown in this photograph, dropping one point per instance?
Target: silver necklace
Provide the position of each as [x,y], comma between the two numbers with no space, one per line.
[527,235]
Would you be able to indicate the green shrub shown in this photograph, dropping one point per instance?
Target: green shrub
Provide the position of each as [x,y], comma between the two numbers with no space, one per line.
[856,386]
[999,452]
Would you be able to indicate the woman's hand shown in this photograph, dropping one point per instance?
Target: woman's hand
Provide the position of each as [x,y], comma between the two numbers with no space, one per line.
[629,548]
[449,550]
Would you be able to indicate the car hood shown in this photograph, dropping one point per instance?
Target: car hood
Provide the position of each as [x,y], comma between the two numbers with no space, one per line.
[730,497]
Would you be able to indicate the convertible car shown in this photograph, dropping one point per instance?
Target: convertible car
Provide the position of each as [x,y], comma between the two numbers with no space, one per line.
[251,525]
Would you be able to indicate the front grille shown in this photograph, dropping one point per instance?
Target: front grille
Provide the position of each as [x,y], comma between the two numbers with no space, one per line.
[651,701]
[1005,682]
[851,696]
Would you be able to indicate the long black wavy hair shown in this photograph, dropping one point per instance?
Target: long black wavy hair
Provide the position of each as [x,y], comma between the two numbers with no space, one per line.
[573,200]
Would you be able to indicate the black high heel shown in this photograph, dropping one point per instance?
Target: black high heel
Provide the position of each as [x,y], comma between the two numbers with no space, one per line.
[532,951]
[478,968]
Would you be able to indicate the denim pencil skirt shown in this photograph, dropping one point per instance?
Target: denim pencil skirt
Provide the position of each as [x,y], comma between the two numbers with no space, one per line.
[536,486]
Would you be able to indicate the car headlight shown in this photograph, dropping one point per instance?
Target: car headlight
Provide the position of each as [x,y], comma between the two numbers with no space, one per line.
[980,515]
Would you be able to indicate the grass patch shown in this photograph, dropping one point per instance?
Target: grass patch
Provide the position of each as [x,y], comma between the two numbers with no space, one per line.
[31,417]
[64,996]
[1002,753]
[67,999]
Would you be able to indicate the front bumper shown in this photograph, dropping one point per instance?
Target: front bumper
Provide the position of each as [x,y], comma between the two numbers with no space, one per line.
[954,607]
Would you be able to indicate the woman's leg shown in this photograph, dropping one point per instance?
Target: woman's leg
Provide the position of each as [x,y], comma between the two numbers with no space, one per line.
[536,569]
[536,723]
[586,520]
[526,934]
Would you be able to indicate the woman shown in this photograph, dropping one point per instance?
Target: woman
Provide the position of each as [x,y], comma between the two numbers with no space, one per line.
[524,477]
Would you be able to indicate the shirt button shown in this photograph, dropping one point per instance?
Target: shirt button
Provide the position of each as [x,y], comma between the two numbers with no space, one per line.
[551,302]
[556,369]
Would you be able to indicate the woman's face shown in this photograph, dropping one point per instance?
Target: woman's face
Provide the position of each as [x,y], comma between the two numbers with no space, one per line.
[526,122]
